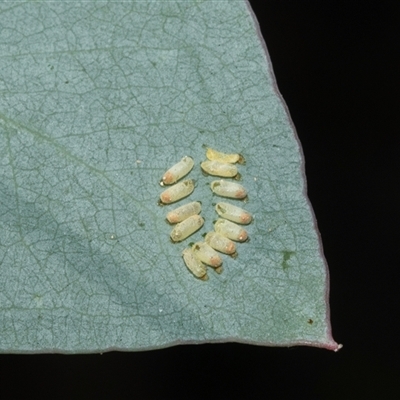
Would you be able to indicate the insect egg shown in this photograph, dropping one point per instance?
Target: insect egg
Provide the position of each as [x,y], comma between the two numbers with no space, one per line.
[220,243]
[195,266]
[230,230]
[233,213]
[177,171]
[228,189]
[218,168]
[177,191]
[183,212]
[207,254]
[186,228]
[214,155]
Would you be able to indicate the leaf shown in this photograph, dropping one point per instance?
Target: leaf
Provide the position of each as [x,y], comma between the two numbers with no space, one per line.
[97,100]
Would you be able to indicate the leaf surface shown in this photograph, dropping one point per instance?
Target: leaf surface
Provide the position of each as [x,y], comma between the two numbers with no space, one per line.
[97,100]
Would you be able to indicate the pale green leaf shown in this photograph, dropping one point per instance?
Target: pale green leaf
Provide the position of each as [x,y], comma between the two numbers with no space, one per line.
[97,100]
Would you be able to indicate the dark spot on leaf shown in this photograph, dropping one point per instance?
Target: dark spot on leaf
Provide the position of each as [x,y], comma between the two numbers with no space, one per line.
[286,258]
[310,321]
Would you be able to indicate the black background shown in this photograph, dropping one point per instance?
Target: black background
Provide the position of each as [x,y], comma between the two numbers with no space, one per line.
[337,67]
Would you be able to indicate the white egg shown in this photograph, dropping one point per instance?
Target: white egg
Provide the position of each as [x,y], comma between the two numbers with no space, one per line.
[233,213]
[195,266]
[178,171]
[186,228]
[228,189]
[177,191]
[230,230]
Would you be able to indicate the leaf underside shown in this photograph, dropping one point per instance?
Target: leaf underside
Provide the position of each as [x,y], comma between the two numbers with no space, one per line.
[97,100]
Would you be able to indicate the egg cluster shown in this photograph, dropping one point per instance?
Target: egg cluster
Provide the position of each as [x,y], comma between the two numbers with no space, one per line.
[228,228]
